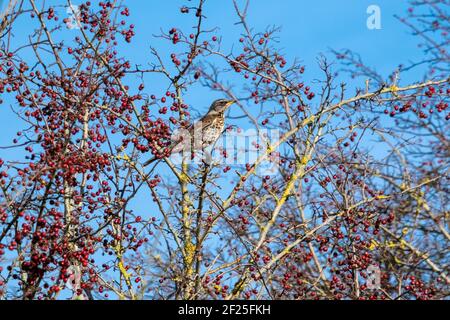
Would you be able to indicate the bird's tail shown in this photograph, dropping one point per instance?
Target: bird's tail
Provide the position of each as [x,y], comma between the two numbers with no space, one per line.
[149,162]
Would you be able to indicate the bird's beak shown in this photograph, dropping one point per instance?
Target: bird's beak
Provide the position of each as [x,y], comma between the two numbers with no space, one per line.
[229,103]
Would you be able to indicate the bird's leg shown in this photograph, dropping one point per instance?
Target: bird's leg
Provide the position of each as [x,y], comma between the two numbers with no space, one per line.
[206,162]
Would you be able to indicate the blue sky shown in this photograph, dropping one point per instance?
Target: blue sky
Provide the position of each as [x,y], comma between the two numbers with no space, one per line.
[308,28]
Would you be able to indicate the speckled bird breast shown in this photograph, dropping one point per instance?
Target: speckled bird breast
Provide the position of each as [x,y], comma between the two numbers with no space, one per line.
[212,130]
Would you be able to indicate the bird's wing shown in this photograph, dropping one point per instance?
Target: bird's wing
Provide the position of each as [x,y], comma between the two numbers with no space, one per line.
[191,137]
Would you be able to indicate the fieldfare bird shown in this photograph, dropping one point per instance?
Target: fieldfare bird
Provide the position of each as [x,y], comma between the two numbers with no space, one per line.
[202,133]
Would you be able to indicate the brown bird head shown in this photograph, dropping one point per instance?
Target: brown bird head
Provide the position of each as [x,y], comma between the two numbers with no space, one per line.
[220,105]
